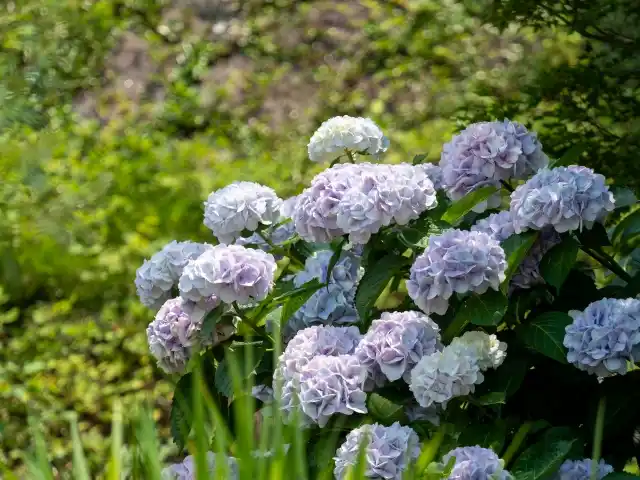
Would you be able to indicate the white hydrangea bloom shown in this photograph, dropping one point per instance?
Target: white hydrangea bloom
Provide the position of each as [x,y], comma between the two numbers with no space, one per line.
[488,350]
[357,134]
[238,207]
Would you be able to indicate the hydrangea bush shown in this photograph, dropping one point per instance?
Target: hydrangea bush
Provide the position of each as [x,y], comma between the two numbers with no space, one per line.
[469,320]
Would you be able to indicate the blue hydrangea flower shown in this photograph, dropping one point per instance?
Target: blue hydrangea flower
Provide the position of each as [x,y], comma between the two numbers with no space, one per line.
[356,134]
[497,225]
[581,470]
[604,337]
[434,172]
[186,470]
[565,198]
[395,343]
[240,206]
[388,451]
[157,277]
[230,272]
[476,463]
[484,154]
[455,261]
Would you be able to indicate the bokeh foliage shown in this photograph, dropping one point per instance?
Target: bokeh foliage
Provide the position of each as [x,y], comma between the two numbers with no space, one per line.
[118,117]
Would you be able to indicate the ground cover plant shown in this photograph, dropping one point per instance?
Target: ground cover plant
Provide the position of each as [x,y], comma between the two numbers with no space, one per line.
[471,319]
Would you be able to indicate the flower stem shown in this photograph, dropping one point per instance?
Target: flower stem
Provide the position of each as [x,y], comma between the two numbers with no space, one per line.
[597,437]
[350,155]
[508,187]
[248,321]
[608,262]
[516,442]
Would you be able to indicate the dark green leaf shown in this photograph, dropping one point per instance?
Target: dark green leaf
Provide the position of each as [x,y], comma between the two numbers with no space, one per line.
[594,237]
[487,436]
[463,206]
[487,310]
[223,382]
[558,262]
[501,383]
[293,304]
[211,320]
[542,460]
[626,235]
[545,334]
[384,410]
[516,248]
[418,159]
[375,279]
[624,197]
[337,252]
[181,416]
[571,156]
[311,285]
[621,476]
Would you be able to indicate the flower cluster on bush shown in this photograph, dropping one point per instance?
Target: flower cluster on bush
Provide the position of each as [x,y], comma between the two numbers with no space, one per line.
[332,250]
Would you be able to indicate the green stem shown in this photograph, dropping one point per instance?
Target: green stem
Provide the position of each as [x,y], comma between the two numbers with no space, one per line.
[279,250]
[516,442]
[508,187]
[249,322]
[608,262]
[430,449]
[350,155]
[597,437]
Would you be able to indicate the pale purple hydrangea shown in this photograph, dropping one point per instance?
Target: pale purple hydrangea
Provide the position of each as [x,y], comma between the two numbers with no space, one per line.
[345,273]
[475,463]
[581,470]
[485,153]
[395,343]
[331,385]
[488,351]
[158,276]
[604,337]
[443,375]
[186,470]
[360,199]
[388,451]
[565,198]
[338,134]
[264,393]
[230,272]
[455,261]
[174,334]
[497,225]
[434,172]
[238,207]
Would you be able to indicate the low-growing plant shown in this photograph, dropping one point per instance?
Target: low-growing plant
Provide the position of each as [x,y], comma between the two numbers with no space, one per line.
[473,319]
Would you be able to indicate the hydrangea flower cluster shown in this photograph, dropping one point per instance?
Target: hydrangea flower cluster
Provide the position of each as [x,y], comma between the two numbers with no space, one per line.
[434,172]
[456,370]
[581,470]
[476,463]
[333,304]
[604,337]
[455,261]
[388,451]
[230,272]
[186,470]
[359,199]
[565,198]
[238,207]
[485,153]
[395,343]
[157,277]
[339,134]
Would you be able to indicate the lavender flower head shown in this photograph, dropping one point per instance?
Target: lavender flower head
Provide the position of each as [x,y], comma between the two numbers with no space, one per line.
[455,261]
[159,275]
[345,273]
[434,172]
[395,343]
[581,470]
[230,272]
[264,393]
[330,385]
[565,198]
[488,351]
[186,470]
[240,206]
[476,463]
[356,134]
[174,334]
[388,451]
[497,225]
[485,153]
[604,337]
[441,376]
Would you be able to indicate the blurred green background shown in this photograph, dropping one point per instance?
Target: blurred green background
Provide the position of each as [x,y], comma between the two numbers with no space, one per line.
[118,117]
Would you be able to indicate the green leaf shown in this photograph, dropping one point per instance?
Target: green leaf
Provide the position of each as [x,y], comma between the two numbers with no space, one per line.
[487,436]
[571,156]
[486,310]
[626,236]
[337,251]
[500,384]
[375,279]
[418,159]
[621,476]
[311,285]
[222,380]
[211,320]
[385,410]
[624,197]
[293,303]
[595,236]
[545,334]
[543,459]
[181,416]
[463,206]
[558,262]
[516,248]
